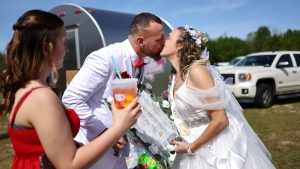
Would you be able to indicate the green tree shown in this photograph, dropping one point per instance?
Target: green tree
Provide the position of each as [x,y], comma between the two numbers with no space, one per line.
[274,43]
[291,40]
[258,41]
[2,57]
[226,48]
[212,51]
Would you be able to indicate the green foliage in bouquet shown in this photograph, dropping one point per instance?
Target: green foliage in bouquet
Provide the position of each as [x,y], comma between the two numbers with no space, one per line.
[160,158]
[145,161]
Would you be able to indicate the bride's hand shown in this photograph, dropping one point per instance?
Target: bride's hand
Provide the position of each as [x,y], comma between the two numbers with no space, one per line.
[180,147]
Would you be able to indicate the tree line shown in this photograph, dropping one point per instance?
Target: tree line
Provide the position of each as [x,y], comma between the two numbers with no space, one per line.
[226,48]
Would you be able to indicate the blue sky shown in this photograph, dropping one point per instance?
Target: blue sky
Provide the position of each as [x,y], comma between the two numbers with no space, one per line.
[234,18]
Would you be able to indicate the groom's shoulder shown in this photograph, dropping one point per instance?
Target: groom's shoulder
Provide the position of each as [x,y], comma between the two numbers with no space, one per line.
[117,49]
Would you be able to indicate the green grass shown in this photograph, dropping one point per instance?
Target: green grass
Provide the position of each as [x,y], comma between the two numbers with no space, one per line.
[6,150]
[278,127]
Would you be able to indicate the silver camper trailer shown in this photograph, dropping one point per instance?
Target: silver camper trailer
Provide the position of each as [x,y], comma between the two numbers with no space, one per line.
[89,29]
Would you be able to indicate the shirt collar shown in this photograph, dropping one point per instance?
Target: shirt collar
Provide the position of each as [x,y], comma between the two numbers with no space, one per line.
[132,53]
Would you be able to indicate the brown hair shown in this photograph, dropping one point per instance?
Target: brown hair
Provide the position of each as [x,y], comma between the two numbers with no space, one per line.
[24,52]
[190,51]
[142,21]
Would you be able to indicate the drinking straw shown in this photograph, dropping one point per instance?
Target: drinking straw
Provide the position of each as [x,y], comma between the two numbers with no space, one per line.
[116,67]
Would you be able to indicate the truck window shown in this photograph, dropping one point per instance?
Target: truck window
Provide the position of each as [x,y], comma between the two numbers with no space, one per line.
[257,60]
[286,60]
[297,58]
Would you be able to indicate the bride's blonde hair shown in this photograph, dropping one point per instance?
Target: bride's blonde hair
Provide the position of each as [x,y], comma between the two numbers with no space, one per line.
[193,44]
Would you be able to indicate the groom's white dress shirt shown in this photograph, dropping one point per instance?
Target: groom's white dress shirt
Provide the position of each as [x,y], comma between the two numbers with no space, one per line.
[89,87]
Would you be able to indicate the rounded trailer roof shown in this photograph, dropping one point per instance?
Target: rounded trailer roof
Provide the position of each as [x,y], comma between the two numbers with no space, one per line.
[110,26]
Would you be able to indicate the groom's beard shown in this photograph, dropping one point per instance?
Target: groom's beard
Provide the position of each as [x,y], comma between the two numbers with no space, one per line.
[156,57]
[153,54]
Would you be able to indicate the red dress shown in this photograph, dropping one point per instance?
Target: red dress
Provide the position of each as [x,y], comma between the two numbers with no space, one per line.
[26,142]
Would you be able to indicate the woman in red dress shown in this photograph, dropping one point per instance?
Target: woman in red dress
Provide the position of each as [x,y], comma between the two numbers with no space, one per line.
[39,124]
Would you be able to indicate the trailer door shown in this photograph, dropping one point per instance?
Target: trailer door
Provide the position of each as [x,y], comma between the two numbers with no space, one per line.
[72,62]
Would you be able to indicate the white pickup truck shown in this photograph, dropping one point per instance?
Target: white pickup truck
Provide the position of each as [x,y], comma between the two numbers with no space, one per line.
[260,77]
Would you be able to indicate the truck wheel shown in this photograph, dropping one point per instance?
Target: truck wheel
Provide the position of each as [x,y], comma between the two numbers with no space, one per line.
[264,95]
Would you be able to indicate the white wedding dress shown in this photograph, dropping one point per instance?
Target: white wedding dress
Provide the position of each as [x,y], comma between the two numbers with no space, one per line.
[236,147]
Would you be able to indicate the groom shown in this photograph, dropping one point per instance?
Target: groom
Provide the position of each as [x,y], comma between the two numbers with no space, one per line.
[92,84]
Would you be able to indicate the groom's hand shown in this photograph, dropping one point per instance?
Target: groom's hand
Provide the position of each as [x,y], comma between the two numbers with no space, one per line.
[120,145]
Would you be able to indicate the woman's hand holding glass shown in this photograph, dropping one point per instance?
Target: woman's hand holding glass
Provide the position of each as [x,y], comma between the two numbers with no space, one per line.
[126,117]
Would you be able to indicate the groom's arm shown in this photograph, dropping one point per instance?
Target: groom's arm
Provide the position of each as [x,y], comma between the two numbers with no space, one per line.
[91,77]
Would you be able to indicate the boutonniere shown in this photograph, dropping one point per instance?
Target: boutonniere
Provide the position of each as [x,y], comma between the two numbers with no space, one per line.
[124,75]
[138,63]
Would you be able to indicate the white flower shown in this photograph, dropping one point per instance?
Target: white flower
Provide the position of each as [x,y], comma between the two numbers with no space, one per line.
[198,42]
[148,86]
[165,104]
[198,36]
[109,99]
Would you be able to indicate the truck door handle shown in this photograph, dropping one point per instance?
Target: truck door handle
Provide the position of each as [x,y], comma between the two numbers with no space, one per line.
[294,71]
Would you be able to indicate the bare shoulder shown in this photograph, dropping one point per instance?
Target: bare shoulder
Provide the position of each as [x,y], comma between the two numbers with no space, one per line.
[197,69]
[45,100]
[44,95]
[41,105]
[200,77]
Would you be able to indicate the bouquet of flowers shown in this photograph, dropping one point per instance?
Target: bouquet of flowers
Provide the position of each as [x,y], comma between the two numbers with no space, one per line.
[154,130]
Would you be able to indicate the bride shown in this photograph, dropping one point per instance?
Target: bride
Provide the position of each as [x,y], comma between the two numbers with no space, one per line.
[209,119]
